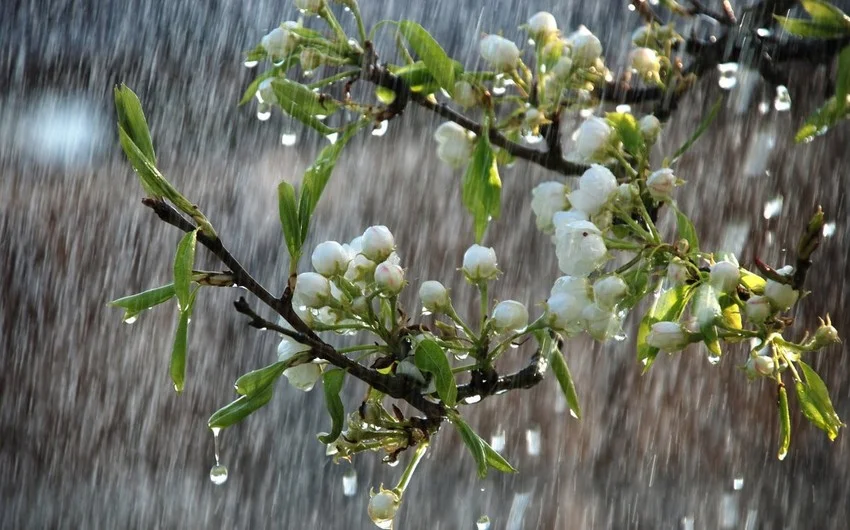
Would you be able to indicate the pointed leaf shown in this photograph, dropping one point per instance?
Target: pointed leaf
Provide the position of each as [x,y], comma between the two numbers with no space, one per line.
[826,13]
[810,28]
[430,357]
[253,381]
[628,131]
[332,381]
[136,303]
[842,83]
[564,377]
[753,282]
[184,262]
[249,93]
[495,460]
[821,120]
[432,54]
[317,176]
[482,187]
[687,231]
[151,179]
[473,442]
[669,307]
[288,210]
[815,402]
[784,423]
[303,104]
[177,366]
[241,408]
[131,118]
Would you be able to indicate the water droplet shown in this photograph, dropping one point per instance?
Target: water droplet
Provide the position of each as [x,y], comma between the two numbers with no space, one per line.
[532,440]
[738,483]
[498,90]
[687,523]
[764,107]
[573,414]
[472,399]
[584,113]
[332,138]
[392,463]
[532,138]
[425,312]
[513,345]
[218,474]
[625,109]
[782,102]
[263,112]
[713,359]
[381,129]
[483,523]
[773,207]
[131,319]
[288,139]
[782,454]
[728,511]
[828,229]
[763,32]
[308,73]
[349,482]
[385,525]
[251,64]
[461,355]
[497,441]
[346,9]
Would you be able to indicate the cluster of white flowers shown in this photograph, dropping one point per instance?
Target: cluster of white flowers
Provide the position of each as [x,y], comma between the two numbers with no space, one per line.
[454,144]
[576,305]
[281,41]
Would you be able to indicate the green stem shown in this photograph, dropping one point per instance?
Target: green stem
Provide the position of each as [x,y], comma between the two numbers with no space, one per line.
[411,467]
[632,262]
[464,368]
[618,154]
[361,29]
[520,84]
[333,79]
[619,244]
[329,17]
[452,314]
[485,305]
[362,347]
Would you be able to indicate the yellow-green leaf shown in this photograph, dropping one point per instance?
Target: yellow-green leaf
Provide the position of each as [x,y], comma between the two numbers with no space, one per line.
[430,357]
[332,381]
[482,187]
[184,261]
[136,303]
[669,307]
[784,423]
[564,377]
[432,54]
[288,212]
[241,408]
[131,118]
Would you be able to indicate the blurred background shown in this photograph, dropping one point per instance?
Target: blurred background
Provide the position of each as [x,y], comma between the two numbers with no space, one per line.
[91,434]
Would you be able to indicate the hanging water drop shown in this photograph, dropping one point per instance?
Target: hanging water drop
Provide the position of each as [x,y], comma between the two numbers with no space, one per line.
[288,139]
[130,319]
[264,111]
[381,129]
[332,138]
[625,109]
[782,102]
[218,474]
[251,64]
[461,355]
[349,482]
[713,359]
[483,523]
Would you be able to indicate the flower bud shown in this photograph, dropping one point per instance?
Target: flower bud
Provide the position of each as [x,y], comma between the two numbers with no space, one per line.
[580,248]
[661,183]
[667,337]
[454,144]
[542,24]
[609,290]
[757,309]
[479,264]
[509,315]
[706,307]
[594,189]
[600,323]
[592,139]
[280,41]
[586,48]
[330,258]
[562,68]
[310,59]
[378,243]
[575,286]
[725,275]
[547,199]
[650,128]
[434,296]
[677,272]
[304,376]
[565,310]
[781,295]
[312,6]
[389,278]
[464,94]
[763,365]
[312,289]
[360,269]
[499,52]
[825,335]
[645,62]
[383,507]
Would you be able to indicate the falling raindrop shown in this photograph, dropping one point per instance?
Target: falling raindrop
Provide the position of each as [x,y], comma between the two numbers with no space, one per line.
[264,111]
[728,75]
[624,108]
[828,230]
[461,355]
[497,441]
[483,523]
[773,207]
[738,483]
[288,139]
[713,359]
[332,138]
[472,399]
[381,129]
[532,440]
[532,138]
[764,107]
[130,319]
[687,523]
[251,64]
[349,482]
[729,510]
[783,99]
[763,32]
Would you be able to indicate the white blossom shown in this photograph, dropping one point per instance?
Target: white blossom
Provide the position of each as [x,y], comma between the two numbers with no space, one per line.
[646,62]
[454,144]
[667,336]
[312,289]
[593,138]
[650,128]
[542,24]
[661,183]
[781,295]
[677,271]
[378,243]
[580,248]
[594,189]
[586,47]
[330,258]
[389,278]
[434,296]
[479,264]
[725,274]
[757,309]
[280,41]
[464,94]
[547,199]
[383,507]
[499,52]
[609,290]
[304,376]
[509,315]
[564,311]
[601,323]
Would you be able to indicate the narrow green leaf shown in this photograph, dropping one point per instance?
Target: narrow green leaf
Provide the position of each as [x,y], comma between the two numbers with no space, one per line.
[241,408]
[669,307]
[184,261]
[151,179]
[818,407]
[701,128]
[565,378]
[416,75]
[482,187]
[255,380]
[842,82]
[821,120]
[249,93]
[473,442]
[317,176]
[136,303]
[687,231]
[826,13]
[784,423]
[131,118]
[431,53]
[810,28]
[628,131]
[303,104]
[332,381]
[430,357]
[495,460]
[288,210]
[177,366]
[711,339]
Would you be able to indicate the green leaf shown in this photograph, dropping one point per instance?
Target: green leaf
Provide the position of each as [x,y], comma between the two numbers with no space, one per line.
[431,53]
[288,210]
[385,95]
[731,315]
[473,442]
[496,461]
[184,261]
[628,131]
[669,307]
[249,93]
[784,423]
[177,366]
[826,13]
[332,381]
[152,180]
[241,408]
[687,231]
[317,176]
[842,83]
[131,118]
[701,128]
[821,120]
[416,75]
[810,28]
[253,381]
[136,303]
[815,402]
[430,357]
[753,282]
[637,278]
[303,104]
[482,187]
[711,339]
[564,377]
